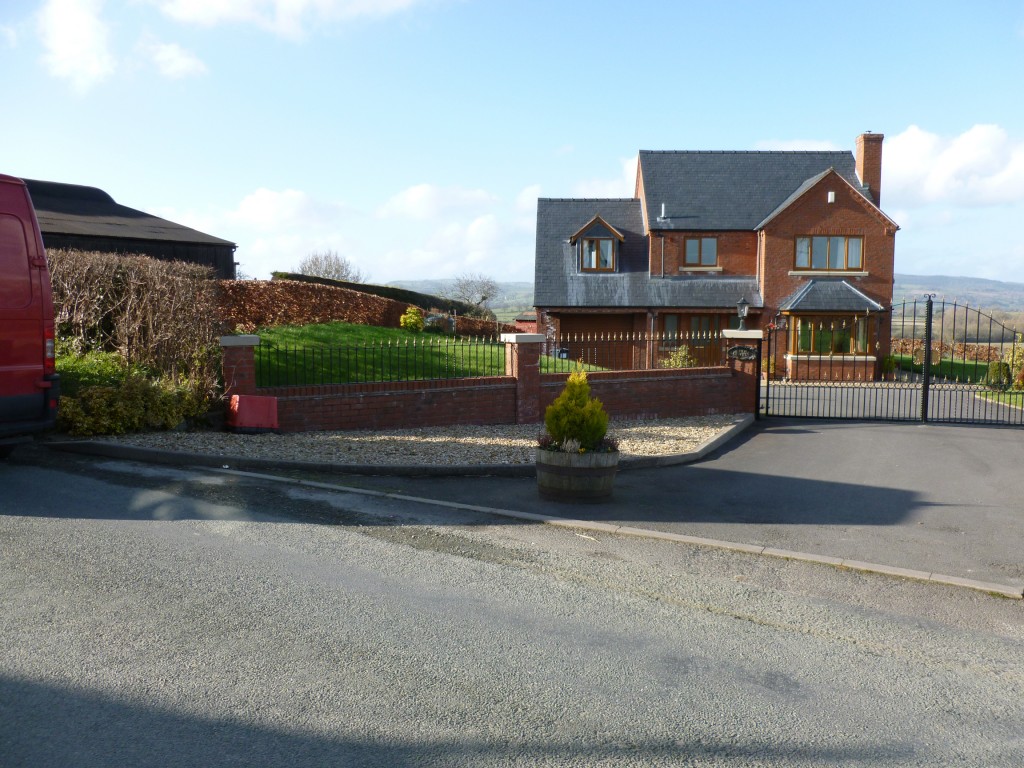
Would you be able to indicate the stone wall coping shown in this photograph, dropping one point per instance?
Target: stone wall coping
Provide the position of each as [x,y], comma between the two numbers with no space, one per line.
[730,333]
[243,340]
[522,338]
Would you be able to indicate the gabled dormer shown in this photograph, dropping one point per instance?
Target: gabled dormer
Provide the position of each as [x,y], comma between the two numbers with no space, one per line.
[597,244]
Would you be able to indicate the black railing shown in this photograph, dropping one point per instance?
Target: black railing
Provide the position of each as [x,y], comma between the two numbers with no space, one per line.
[430,359]
[631,351]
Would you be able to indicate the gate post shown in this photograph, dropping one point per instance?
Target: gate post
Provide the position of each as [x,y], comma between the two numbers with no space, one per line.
[739,356]
[926,364]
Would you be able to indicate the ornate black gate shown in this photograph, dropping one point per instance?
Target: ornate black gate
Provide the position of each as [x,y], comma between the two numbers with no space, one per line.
[943,363]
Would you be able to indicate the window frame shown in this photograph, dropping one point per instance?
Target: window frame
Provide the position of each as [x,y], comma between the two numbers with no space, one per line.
[825,264]
[598,268]
[854,328]
[700,262]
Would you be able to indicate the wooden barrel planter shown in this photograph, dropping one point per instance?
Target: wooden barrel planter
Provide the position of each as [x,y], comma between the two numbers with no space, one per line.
[576,476]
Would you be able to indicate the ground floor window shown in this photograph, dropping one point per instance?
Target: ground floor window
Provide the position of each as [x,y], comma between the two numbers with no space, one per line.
[830,335]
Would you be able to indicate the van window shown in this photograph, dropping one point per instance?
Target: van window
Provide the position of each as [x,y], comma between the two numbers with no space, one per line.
[15,285]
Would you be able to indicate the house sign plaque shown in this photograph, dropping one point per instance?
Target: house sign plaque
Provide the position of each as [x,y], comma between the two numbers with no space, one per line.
[743,353]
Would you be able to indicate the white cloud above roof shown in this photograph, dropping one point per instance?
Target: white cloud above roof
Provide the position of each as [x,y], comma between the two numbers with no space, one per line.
[980,167]
[428,201]
[289,18]
[76,42]
[173,61]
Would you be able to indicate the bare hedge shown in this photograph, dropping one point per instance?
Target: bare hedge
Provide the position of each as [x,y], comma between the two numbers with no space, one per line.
[157,314]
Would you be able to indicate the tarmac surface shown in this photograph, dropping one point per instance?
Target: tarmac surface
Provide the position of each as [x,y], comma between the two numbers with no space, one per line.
[941,503]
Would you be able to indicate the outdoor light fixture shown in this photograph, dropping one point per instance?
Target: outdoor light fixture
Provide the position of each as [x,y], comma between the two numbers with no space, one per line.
[741,310]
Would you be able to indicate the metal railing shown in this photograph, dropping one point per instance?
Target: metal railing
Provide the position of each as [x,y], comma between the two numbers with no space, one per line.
[427,359]
[632,351]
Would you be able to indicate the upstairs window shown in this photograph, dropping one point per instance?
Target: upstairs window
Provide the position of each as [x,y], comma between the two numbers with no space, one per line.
[598,254]
[701,252]
[822,253]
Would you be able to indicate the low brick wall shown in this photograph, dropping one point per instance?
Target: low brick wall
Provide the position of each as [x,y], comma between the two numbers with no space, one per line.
[519,397]
[391,405]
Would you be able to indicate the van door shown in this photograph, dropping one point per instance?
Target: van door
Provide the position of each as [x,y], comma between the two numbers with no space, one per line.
[21,327]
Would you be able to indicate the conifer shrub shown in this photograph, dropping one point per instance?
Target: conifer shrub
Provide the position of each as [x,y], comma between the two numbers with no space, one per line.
[999,376]
[575,421]
[412,320]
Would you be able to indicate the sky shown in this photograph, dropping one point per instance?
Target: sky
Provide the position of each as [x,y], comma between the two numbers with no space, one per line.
[413,137]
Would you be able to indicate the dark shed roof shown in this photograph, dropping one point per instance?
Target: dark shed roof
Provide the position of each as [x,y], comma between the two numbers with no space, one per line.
[558,283]
[730,190]
[71,209]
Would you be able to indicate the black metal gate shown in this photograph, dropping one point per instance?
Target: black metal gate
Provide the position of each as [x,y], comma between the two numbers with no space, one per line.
[944,363]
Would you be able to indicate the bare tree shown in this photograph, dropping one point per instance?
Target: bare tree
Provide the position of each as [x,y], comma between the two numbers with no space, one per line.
[475,289]
[331,265]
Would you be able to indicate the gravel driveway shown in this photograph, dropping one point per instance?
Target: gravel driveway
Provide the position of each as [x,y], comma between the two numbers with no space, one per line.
[461,445]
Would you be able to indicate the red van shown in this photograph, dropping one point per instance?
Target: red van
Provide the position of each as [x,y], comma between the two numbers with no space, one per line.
[29,385]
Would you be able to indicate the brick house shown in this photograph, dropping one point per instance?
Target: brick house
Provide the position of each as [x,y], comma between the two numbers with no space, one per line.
[799,236]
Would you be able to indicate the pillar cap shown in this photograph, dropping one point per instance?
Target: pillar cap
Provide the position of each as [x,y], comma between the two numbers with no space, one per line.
[522,338]
[734,334]
[244,340]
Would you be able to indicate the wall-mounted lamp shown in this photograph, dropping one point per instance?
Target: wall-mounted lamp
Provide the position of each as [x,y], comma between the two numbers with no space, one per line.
[742,306]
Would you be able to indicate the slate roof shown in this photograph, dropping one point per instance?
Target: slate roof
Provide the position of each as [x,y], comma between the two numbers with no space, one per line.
[731,190]
[557,283]
[829,296]
[71,209]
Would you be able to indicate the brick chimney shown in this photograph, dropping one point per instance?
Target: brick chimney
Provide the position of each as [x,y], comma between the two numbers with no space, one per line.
[869,163]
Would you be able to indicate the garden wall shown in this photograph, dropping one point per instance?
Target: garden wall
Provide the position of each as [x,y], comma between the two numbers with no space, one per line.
[519,397]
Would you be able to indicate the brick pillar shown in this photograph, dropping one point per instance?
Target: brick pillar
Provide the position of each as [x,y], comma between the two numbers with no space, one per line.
[747,371]
[522,361]
[238,364]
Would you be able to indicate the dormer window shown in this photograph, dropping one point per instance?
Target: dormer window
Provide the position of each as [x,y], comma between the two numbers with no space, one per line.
[598,255]
[598,243]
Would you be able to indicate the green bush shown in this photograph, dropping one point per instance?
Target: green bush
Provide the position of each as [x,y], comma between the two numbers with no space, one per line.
[93,369]
[133,405]
[680,358]
[412,320]
[999,376]
[575,418]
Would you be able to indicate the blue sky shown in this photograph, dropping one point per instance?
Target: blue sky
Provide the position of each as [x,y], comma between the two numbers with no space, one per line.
[414,136]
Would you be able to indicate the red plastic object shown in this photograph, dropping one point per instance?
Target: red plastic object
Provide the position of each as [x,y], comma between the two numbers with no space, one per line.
[252,414]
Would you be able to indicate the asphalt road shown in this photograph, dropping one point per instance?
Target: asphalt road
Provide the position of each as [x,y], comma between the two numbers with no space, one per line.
[158,617]
[939,498]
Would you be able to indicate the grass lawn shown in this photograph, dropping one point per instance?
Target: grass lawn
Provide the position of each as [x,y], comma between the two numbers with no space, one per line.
[1013,397]
[343,353]
[952,370]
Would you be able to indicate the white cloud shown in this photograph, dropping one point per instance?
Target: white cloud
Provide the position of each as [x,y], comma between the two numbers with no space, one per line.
[980,167]
[623,186]
[427,201]
[172,60]
[8,36]
[76,42]
[284,17]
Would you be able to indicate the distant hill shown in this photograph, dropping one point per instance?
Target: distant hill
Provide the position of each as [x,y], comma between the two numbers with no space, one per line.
[514,297]
[973,291]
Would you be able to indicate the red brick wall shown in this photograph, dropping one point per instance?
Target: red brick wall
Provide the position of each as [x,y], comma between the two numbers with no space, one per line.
[498,399]
[737,253]
[812,214]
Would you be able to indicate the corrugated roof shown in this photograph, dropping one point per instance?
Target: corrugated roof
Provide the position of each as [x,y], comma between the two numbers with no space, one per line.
[558,283]
[71,209]
[730,190]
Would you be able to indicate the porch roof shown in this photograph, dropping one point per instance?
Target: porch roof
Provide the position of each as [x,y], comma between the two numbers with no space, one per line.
[829,296]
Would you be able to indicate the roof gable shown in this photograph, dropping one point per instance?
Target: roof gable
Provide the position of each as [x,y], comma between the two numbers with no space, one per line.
[729,190]
[596,227]
[858,192]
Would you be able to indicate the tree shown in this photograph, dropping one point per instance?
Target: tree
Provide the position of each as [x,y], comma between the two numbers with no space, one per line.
[331,265]
[475,289]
